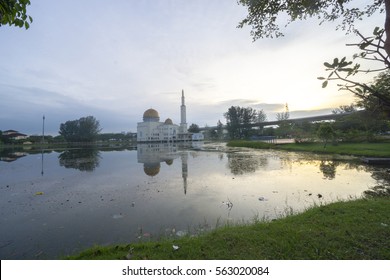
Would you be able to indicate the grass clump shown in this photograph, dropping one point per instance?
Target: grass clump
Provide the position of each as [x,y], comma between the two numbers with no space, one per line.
[380,149]
[343,230]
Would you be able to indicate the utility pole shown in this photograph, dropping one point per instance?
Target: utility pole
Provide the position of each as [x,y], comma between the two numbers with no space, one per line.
[43,129]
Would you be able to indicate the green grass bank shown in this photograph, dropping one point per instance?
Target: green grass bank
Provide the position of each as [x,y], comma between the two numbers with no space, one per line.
[380,149]
[357,229]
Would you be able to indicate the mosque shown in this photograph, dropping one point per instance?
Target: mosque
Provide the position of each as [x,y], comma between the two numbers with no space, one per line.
[152,130]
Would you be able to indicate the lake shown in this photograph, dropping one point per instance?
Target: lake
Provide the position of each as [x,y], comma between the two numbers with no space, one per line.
[58,202]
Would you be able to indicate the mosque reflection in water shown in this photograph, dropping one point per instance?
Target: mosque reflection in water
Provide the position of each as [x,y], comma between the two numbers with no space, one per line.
[152,155]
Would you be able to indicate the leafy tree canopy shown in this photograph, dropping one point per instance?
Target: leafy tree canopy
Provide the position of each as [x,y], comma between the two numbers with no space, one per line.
[194,128]
[14,12]
[239,119]
[265,16]
[85,129]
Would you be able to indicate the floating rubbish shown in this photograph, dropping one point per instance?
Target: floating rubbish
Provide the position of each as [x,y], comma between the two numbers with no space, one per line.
[147,234]
[319,195]
[39,193]
[132,204]
[117,216]
[181,233]
[228,203]
[262,198]
[384,225]
[175,247]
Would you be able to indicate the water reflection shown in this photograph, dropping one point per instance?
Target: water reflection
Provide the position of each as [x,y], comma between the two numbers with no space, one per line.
[10,155]
[328,169]
[382,177]
[240,163]
[81,159]
[151,155]
[68,210]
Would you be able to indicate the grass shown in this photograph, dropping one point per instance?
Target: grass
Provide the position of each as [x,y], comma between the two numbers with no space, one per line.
[356,229]
[380,149]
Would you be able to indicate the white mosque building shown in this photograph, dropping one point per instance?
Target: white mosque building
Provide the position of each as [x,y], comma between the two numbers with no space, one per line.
[152,130]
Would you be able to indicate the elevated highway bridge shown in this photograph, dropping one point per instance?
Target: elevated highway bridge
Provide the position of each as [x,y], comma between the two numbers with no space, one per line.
[296,120]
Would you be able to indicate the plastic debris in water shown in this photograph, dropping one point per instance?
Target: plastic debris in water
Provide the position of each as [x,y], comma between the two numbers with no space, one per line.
[262,198]
[39,193]
[117,216]
[181,233]
[384,225]
[175,247]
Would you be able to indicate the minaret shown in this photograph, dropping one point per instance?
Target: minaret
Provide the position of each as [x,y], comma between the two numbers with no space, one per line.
[183,121]
[184,170]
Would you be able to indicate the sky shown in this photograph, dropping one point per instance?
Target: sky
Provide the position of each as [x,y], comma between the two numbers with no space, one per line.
[115,59]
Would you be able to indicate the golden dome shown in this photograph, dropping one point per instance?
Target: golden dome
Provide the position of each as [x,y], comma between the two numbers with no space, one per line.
[151,115]
[168,121]
[152,169]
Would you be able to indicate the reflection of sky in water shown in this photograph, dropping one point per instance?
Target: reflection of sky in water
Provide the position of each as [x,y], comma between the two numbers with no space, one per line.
[103,197]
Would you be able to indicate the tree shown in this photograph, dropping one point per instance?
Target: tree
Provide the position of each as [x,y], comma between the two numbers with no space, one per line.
[325,133]
[239,120]
[264,16]
[284,128]
[370,49]
[374,104]
[283,116]
[219,130]
[342,109]
[85,129]
[194,128]
[261,116]
[14,12]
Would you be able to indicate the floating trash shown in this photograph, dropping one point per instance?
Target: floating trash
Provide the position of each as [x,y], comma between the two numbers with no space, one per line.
[175,247]
[181,233]
[228,203]
[384,225]
[262,198]
[39,193]
[117,216]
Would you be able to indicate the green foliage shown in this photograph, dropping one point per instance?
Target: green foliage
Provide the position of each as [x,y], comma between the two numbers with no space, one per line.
[219,130]
[370,49]
[14,12]
[240,119]
[194,128]
[116,137]
[325,132]
[265,16]
[377,105]
[303,132]
[250,144]
[85,129]
[380,149]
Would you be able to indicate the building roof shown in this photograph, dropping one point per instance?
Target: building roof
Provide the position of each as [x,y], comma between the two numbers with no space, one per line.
[168,121]
[151,113]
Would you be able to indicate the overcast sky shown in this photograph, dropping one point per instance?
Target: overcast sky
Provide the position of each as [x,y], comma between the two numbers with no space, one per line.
[115,59]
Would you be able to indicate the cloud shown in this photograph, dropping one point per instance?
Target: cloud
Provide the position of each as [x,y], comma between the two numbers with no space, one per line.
[115,60]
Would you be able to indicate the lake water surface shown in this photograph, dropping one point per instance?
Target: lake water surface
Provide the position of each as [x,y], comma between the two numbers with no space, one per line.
[56,203]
